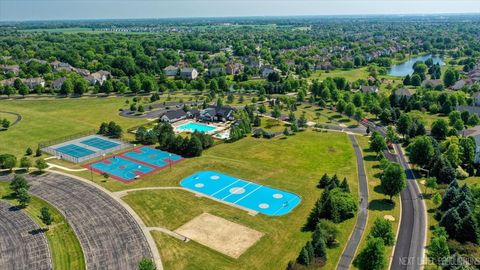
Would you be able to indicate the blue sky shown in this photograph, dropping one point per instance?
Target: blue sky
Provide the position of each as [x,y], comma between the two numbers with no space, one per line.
[106,9]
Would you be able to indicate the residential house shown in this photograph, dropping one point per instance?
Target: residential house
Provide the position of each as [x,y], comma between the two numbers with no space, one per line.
[476,98]
[404,92]
[43,62]
[459,85]
[8,82]
[432,83]
[214,113]
[366,89]
[234,68]
[267,70]
[34,82]
[15,69]
[188,73]
[193,113]
[171,71]
[173,116]
[216,71]
[474,132]
[82,71]
[58,83]
[97,77]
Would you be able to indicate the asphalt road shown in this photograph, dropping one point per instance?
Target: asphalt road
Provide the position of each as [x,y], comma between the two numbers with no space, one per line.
[109,235]
[23,244]
[352,245]
[409,249]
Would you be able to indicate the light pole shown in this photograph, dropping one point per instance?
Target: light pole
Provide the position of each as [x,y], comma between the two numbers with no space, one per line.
[170,161]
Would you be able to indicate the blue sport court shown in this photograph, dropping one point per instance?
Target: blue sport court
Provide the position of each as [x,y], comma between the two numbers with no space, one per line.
[74,150]
[99,143]
[259,198]
[152,156]
[121,168]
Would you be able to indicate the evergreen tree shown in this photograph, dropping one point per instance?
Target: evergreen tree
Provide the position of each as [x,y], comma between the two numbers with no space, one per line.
[315,215]
[324,181]
[38,152]
[468,230]
[304,257]
[23,197]
[344,185]
[319,245]
[29,151]
[450,221]
[450,198]
[46,216]
[463,209]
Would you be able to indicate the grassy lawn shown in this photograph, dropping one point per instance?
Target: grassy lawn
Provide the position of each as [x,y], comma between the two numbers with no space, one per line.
[64,247]
[9,117]
[427,118]
[378,205]
[50,119]
[294,164]
[351,75]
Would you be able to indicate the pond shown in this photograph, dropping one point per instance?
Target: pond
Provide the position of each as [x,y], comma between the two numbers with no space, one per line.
[406,68]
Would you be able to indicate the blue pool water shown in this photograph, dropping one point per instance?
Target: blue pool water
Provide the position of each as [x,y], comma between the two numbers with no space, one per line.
[122,168]
[74,150]
[99,143]
[152,156]
[266,200]
[192,127]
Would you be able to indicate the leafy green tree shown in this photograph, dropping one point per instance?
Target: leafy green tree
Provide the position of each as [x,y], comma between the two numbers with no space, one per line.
[431,183]
[439,129]
[29,151]
[382,229]
[146,264]
[341,205]
[18,182]
[377,142]
[350,109]
[438,250]
[46,216]
[450,77]
[25,163]
[8,161]
[67,87]
[372,257]
[23,197]
[404,124]
[421,151]
[416,80]
[393,180]
[80,87]
[437,199]
[41,164]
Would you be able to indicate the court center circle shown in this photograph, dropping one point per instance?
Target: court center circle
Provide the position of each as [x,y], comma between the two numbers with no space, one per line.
[214,177]
[237,190]
[264,205]
[277,196]
[199,185]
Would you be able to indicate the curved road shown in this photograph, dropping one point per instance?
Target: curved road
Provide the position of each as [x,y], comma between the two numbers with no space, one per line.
[354,240]
[109,235]
[409,249]
[22,243]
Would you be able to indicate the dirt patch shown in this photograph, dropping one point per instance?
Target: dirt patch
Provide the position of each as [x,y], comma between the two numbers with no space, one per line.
[389,217]
[224,236]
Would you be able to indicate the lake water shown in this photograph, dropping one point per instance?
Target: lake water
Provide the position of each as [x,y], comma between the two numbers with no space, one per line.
[406,68]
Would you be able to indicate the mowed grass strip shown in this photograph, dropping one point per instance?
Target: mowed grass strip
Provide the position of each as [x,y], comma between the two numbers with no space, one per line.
[379,206]
[294,164]
[64,246]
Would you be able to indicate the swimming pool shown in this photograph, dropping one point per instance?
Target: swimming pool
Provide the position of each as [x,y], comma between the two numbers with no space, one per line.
[192,127]
[259,198]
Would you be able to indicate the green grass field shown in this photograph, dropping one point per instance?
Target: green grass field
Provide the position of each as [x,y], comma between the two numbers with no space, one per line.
[294,164]
[64,246]
[351,74]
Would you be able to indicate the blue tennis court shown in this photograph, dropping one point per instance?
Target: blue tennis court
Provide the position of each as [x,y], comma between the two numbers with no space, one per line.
[74,150]
[121,168]
[152,156]
[99,143]
[266,200]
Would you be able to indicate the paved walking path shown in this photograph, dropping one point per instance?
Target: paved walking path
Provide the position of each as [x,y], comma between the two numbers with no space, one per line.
[51,165]
[352,245]
[19,117]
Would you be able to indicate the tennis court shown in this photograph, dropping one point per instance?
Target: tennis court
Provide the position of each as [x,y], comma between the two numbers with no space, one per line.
[74,150]
[121,168]
[152,156]
[99,143]
[238,192]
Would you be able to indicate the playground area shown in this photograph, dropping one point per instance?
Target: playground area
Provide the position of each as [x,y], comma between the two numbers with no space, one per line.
[240,193]
[133,164]
[84,148]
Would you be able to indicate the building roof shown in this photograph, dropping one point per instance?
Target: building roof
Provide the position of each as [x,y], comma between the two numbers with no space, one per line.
[175,114]
[404,92]
[369,89]
[187,70]
[172,68]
